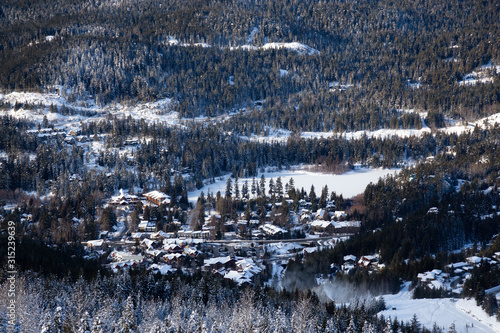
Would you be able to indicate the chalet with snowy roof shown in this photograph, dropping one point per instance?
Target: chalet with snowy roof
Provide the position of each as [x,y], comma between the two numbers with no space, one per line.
[339,214]
[157,198]
[199,234]
[272,230]
[191,252]
[321,226]
[434,279]
[147,226]
[174,259]
[319,214]
[123,199]
[369,261]
[476,261]
[149,244]
[173,248]
[349,263]
[215,264]
[347,226]
[458,268]
[121,256]
[433,210]
[245,271]
[162,269]
[162,235]
[96,245]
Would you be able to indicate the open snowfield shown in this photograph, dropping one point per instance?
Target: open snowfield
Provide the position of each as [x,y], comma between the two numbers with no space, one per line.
[348,184]
[443,311]
[152,112]
[282,135]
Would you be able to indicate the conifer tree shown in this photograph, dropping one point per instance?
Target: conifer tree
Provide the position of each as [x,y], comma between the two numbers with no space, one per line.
[128,319]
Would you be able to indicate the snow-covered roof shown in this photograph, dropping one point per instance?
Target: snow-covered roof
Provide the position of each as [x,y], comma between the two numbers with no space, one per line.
[220,260]
[321,224]
[95,243]
[433,210]
[475,259]
[350,257]
[147,242]
[162,269]
[457,265]
[320,212]
[160,234]
[271,229]
[347,224]
[158,196]
[339,213]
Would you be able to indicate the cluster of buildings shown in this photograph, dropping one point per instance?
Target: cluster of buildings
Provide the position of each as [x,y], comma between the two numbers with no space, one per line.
[454,275]
[238,254]
[369,262]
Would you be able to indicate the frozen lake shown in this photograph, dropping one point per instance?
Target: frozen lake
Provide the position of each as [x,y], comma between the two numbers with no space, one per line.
[348,184]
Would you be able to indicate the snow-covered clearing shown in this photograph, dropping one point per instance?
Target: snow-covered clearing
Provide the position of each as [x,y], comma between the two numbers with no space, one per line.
[152,112]
[443,311]
[174,41]
[484,74]
[160,112]
[294,46]
[281,135]
[348,184]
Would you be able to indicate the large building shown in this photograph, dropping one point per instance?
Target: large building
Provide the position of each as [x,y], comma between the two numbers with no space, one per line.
[157,198]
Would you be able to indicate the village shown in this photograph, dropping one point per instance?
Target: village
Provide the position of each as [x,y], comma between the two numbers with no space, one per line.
[246,251]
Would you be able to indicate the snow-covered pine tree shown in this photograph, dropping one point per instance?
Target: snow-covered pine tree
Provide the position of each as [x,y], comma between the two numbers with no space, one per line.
[97,327]
[280,322]
[369,328]
[301,320]
[84,323]
[352,326]
[388,325]
[128,321]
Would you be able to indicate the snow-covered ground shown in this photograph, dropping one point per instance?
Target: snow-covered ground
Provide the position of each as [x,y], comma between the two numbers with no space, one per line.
[443,311]
[348,184]
[483,74]
[281,135]
[160,112]
[294,46]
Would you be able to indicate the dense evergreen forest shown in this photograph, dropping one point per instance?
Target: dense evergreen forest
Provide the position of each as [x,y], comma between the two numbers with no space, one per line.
[235,71]
[373,59]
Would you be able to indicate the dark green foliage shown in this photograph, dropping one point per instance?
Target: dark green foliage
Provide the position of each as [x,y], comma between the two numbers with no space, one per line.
[375,52]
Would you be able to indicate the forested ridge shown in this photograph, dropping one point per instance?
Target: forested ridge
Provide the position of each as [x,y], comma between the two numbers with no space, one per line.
[230,74]
[379,51]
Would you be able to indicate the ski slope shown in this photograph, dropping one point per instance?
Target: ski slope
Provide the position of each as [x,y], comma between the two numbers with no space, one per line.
[443,311]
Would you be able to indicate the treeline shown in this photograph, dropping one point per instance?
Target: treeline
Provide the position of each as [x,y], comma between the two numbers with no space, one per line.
[374,58]
[202,151]
[143,302]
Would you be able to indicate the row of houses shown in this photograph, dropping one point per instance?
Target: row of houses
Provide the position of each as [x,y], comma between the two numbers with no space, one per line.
[333,227]
[370,262]
[455,274]
[126,199]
